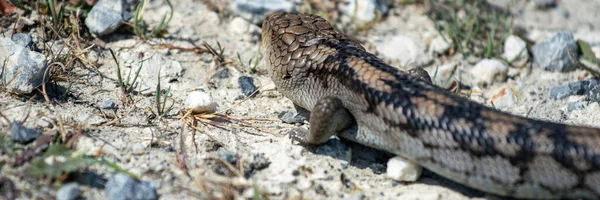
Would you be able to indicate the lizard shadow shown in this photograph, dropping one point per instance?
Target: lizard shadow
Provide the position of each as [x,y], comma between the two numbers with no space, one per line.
[364,157]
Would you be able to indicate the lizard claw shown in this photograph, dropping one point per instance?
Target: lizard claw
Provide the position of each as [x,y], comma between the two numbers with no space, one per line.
[299,135]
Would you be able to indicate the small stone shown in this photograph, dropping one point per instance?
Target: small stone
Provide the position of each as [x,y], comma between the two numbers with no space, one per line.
[378,168]
[22,70]
[594,94]
[291,117]
[515,50]
[439,45]
[504,98]
[138,148]
[488,71]
[228,156]
[544,4]
[68,191]
[259,161]
[400,169]
[247,85]
[576,105]
[108,104]
[356,195]
[93,56]
[363,10]
[122,187]
[45,122]
[223,74]
[243,29]
[405,50]
[563,91]
[108,15]
[22,134]
[22,39]
[443,75]
[557,53]
[200,102]
[255,10]
[574,88]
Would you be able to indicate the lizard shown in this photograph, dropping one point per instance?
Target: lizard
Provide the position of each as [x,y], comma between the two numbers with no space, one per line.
[357,96]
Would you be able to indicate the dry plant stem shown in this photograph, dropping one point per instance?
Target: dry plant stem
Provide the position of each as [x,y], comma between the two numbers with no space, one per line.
[181,161]
[225,181]
[230,167]
[192,125]
[194,136]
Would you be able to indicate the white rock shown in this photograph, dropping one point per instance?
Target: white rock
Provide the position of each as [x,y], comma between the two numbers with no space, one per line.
[487,71]
[596,51]
[138,148]
[242,29]
[401,169]
[504,98]
[441,75]
[107,15]
[50,160]
[45,122]
[200,102]
[404,49]
[439,45]
[515,49]
[21,70]
[365,12]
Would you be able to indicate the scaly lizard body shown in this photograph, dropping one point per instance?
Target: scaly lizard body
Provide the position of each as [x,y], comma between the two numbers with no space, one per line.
[326,72]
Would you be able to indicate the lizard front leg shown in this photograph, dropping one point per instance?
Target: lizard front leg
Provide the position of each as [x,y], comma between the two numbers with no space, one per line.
[328,117]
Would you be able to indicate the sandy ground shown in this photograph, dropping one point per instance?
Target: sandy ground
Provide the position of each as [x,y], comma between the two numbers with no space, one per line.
[156,148]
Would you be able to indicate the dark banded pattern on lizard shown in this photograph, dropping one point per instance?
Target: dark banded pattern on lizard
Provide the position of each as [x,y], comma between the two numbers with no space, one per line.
[356,95]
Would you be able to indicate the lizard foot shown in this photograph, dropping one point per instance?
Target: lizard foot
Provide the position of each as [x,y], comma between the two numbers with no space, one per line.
[299,135]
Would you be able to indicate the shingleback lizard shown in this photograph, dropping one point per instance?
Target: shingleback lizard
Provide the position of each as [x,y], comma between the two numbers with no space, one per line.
[328,73]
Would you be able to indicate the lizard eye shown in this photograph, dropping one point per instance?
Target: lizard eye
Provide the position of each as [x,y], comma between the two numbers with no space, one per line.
[274,35]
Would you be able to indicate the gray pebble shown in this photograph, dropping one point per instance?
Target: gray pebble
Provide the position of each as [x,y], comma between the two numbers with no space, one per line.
[574,88]
[576,105]
[228,156]
[291,117]
[22,134]
[247,85]
[553,54]
[22,39]
[544,4]
[123,187]
[108,104]
[378,168]
[255,10]
[107,15]
[259,161]
[594,94]
[69,191]
[23,67]
[138,148]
